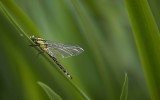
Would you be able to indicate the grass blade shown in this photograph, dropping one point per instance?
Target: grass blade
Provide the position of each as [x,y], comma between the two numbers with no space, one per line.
[52,95]
[124,92]
[147,39]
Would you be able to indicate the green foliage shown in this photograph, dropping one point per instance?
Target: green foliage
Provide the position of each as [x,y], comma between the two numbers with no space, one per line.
[124,92]
[101,28]
[147,38]
[52,95]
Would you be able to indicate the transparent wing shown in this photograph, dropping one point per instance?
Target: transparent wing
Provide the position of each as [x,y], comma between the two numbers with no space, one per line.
[64,51]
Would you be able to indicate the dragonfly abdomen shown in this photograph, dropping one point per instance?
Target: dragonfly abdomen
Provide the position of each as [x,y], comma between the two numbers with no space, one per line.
[60,66]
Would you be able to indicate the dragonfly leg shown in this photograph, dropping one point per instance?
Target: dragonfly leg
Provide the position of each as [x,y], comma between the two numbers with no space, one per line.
[40,52]
[33,45]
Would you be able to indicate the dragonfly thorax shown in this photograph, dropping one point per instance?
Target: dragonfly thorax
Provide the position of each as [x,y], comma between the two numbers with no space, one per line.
[39,41]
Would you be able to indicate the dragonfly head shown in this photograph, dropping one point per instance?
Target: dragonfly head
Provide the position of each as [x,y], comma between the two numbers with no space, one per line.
[32,37]
[37,40]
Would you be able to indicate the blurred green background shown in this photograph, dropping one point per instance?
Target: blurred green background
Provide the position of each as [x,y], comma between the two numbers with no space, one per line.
[101,28]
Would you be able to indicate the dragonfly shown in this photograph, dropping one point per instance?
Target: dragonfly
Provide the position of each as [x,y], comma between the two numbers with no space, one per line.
[55,50]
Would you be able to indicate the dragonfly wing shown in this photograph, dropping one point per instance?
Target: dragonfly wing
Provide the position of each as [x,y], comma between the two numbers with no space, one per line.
[64,51]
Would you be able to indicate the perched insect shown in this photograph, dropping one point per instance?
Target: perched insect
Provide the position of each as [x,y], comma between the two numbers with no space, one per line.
[54,50]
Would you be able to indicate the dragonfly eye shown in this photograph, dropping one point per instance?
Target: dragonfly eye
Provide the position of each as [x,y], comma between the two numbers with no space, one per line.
[33,38]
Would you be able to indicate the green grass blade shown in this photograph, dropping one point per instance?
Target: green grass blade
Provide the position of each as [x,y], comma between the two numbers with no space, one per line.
[154,5]
[148,42]
[52,95]
[124,92]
